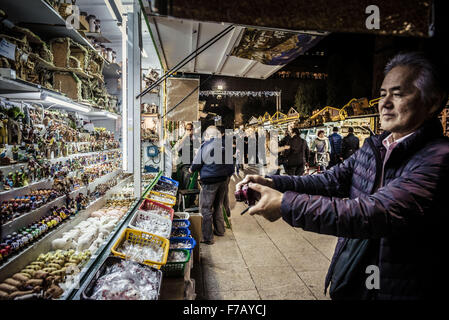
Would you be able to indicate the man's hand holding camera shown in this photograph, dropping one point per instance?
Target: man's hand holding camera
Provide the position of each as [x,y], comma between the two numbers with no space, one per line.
[268,199]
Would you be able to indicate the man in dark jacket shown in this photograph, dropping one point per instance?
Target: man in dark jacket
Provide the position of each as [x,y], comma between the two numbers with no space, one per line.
[214,179]
[298,154]
[387,202]
[350,144]
[335,144]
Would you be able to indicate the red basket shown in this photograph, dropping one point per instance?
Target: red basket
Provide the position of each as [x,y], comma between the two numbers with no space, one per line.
[148,204]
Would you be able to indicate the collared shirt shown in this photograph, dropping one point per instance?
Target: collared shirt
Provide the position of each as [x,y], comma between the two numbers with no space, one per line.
[389,144]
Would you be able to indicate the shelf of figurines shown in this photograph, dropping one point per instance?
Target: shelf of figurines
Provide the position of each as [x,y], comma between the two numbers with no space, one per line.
[17,179]
[44,198]
[60,63]
[42,17]
[106,215]
[61,217]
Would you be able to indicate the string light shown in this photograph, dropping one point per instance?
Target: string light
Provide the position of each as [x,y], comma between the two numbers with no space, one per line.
[241,93]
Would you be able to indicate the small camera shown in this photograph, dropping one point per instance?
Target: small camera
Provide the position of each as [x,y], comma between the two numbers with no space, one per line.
[246,195]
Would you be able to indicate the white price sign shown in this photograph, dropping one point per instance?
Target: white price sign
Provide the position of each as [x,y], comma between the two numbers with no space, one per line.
[8,49]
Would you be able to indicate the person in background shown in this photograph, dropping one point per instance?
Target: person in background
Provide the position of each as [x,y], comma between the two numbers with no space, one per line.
[186,143]
[321,148]
[226,206]
[350,144]
[297,155]
[214,179]
[335,144]
[283,149]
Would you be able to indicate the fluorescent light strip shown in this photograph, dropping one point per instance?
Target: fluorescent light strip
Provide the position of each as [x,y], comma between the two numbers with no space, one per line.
[112,116]
[66,104]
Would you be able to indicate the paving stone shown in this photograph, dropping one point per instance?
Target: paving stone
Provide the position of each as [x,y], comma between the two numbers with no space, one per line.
[233,295]
[227,277]
[309,262]
[261,253]
[315,282]
[280,283]
[222,251]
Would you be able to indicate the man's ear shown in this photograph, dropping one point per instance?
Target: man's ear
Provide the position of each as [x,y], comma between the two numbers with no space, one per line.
[436,107]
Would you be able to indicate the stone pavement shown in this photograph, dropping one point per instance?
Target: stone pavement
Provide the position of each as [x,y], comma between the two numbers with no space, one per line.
[259,259]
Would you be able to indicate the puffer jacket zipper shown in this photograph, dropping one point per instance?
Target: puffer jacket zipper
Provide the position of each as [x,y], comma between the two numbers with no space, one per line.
[376,185]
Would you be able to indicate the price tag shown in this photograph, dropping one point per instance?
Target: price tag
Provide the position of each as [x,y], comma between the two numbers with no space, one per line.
[7,49]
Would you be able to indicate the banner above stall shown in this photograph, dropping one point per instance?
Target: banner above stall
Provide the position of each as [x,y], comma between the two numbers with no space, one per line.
[273,47]
[399,17]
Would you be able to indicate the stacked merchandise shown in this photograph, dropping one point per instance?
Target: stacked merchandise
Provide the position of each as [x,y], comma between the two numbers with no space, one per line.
[59,64]
[181,246]
[56,271]
[152,245]
[14,208]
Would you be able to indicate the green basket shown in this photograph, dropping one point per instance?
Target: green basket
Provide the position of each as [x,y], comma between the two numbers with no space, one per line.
[176,269]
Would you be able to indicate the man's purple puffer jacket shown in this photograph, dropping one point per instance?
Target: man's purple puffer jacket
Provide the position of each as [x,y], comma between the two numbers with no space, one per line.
[406,218]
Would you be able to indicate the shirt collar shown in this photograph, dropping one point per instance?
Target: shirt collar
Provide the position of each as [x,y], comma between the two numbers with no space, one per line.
[389,141]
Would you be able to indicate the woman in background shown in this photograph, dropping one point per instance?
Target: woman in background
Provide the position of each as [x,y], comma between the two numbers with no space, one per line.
[321,148]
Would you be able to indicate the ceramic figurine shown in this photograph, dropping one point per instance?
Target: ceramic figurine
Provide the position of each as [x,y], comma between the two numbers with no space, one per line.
[15,152]
[9,182]
[23,176]
[4,131]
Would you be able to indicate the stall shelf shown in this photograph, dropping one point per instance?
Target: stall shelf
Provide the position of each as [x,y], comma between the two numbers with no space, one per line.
[105,251]
[22,258]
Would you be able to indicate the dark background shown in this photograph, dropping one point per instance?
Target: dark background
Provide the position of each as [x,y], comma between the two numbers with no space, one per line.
[353,64]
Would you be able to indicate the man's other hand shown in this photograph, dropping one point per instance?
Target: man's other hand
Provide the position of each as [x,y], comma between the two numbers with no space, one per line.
[256,179]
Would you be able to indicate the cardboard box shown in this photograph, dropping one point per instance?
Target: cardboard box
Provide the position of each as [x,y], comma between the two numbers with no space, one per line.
[84,25]
[196,220]
[65,82]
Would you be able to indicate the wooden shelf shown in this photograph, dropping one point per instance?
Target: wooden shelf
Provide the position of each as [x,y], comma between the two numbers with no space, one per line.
[98,36]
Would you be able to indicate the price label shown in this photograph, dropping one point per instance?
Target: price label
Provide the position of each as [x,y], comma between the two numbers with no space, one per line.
[8,49]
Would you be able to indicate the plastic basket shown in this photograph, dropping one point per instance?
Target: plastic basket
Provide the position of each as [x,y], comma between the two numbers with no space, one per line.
[148,204]
[140,215]
[88,291]
[180,223]
[180,232]
[176,269]
[171,192]
[189,241]
[144,239]
[170,181]
[181,215]
[162,198]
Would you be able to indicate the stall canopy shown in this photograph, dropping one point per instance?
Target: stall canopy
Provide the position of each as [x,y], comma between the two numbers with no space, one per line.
[400,17]
[241,52]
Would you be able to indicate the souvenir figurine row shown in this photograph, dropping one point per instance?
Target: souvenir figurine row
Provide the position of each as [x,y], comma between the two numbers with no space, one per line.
[22,238]
[13,208]
[30,132]
[44,169]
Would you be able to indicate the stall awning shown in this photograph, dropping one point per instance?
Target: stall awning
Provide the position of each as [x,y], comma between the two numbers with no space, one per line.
[243,52]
